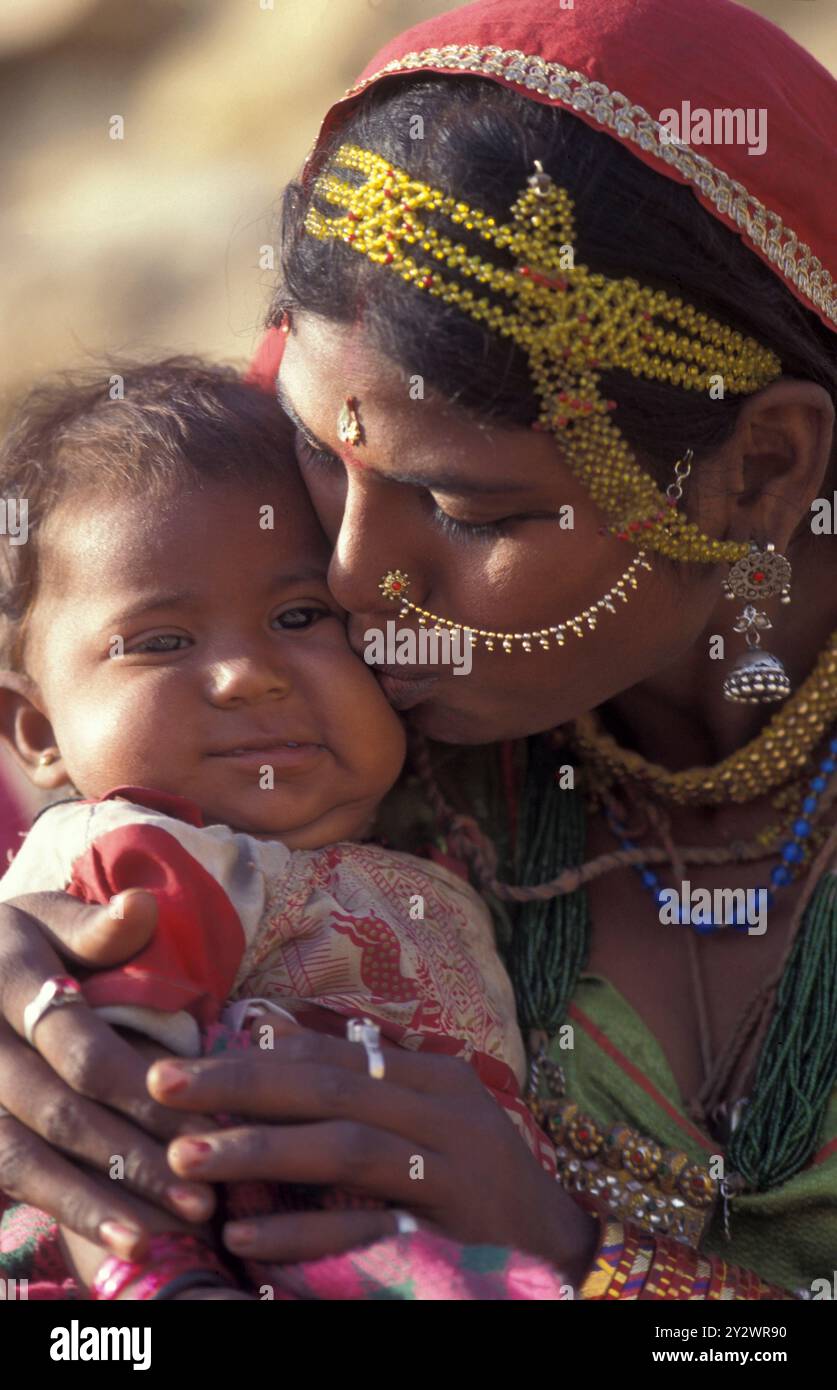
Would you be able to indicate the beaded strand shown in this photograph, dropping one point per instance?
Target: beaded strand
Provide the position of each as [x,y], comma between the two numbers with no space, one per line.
[791,854]
[768,761]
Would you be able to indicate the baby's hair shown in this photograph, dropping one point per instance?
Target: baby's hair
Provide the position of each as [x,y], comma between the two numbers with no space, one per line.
[149,429]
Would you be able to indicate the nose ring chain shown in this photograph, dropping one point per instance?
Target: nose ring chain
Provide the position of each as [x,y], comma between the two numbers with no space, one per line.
[396,583]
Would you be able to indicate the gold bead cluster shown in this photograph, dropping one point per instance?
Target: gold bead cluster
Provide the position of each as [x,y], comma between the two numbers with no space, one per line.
[571,323]
[771,760]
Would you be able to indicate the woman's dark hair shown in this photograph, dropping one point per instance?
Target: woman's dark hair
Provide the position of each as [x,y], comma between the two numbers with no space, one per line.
[480,141]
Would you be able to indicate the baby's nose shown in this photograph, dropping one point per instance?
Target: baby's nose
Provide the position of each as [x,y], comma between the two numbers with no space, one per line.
[243,680]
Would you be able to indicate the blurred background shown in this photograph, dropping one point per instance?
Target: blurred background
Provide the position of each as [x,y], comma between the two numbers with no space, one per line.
[152,243]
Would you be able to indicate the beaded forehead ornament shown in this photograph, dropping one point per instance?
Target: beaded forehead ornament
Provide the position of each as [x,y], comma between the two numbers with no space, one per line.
[572,324]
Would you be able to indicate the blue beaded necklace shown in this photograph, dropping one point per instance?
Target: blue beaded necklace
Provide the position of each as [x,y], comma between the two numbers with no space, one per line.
[791,853]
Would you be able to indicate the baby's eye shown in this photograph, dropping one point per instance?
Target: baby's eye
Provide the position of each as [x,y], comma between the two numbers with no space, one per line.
[295,618]
[163,642]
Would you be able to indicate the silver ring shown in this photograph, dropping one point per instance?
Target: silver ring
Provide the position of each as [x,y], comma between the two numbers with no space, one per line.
[363,1030]
[53,994]
[4,1113]
[405,1224]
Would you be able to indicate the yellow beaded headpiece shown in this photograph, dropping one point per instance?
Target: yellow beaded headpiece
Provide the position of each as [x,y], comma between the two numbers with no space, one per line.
[571,324]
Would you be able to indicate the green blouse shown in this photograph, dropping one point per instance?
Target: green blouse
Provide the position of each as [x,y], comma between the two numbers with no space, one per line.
[616,1072]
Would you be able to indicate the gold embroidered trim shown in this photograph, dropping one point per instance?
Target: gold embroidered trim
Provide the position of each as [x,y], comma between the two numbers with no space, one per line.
[764,229]
[662,1191]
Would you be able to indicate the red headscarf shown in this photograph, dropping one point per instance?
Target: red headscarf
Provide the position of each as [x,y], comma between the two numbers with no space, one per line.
[621,64]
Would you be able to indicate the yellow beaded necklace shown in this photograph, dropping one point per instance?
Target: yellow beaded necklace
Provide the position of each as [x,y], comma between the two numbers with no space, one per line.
[769,761]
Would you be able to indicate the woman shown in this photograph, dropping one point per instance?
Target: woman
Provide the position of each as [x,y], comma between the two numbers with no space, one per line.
[686,1072]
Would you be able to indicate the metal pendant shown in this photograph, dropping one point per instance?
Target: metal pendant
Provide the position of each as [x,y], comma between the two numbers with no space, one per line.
[757,678]
[759,575]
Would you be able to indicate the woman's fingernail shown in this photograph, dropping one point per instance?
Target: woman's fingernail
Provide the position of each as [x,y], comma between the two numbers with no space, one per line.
[191,1152]
[169,1077]
[239,1236]
[196,1205]
[120,1238]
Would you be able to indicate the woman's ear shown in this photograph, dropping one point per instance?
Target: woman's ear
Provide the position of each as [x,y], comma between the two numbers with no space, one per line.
[779,460]
[27,732]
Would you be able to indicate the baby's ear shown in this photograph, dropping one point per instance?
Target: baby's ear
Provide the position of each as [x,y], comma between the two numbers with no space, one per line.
[27,732]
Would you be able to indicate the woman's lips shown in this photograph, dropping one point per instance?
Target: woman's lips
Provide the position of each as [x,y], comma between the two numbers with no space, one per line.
[403,692]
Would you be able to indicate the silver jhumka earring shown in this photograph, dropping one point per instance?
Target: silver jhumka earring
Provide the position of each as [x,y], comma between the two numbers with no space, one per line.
[757,677]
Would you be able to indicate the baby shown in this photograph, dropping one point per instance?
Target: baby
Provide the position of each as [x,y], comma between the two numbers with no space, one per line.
[176,661]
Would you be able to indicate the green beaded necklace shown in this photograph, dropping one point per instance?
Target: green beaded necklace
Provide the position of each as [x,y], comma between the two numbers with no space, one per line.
[551,940]
[549,947]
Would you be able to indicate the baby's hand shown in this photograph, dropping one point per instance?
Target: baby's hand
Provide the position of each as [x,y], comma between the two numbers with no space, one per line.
[83,1257]
[86,1259]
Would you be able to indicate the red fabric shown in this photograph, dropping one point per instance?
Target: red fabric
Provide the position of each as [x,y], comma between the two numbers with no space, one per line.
[192,960]
[178,807]
[713,53]
[14,821]
[264,367]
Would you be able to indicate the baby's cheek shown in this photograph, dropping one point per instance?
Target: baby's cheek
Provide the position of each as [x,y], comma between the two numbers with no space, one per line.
[107,743]
[377,738]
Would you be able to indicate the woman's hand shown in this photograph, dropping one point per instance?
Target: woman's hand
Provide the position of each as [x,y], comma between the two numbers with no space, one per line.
[80,1091]
[335,1125]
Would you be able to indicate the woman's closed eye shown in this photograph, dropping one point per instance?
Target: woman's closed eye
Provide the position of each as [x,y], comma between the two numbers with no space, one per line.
[476,530]
[310,454]
[470,530]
